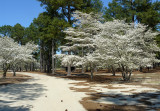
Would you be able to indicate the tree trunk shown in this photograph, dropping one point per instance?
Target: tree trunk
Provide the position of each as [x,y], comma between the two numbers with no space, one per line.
[87,69]
[141,69]
[69,66]
[4,74]
[92,71]
[44,65]
[30,66]
[20,69]
[41,61]
[14,72]
[95,69]
[69,70]
[83,69]
[53,69]
[5,68]
[113,71]
[26,67]
[126,75]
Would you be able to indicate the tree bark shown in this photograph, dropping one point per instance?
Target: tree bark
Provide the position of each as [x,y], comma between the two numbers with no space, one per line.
[14,72]
[44,65]
[53,67]
[95,69]
[87,68]
[26,67]
[41,60]
[69,70]
[4,74]
[126,75]
[113,71]
[92,71]
[5,68]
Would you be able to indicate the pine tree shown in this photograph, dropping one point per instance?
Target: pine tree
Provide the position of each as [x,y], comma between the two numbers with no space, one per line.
[141,11]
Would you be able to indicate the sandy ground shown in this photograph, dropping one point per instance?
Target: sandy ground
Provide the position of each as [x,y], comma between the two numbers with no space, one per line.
[46,93]
[42,93]
[10,79]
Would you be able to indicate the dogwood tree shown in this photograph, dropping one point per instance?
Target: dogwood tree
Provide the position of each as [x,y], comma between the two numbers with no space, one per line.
[80,37]
[12,54]
[127,46]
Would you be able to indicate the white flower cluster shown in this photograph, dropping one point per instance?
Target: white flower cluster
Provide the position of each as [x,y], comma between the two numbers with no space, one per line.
[114,43]
[12,54]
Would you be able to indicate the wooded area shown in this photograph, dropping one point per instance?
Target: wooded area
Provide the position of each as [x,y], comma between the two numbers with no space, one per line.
[48,30]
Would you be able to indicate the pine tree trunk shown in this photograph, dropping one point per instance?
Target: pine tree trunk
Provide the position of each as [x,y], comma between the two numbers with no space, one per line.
[83,69]
[92,71]
[141,69]
[26,68]
[20,69]
[53,69]
[69,70]
[69,66]
[41,60]
[44,65]
[33,69]
[113,71]
[48,67]
[87,69]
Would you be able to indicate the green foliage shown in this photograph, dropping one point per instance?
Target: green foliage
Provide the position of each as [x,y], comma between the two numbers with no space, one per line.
[6,30]
[143,11]
[17,33]
[31,33]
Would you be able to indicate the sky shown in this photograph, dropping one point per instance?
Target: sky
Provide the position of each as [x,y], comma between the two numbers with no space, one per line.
[22,11]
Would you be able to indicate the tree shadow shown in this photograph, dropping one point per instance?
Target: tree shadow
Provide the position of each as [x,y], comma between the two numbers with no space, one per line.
[12,93]
[8,108]
[148,101]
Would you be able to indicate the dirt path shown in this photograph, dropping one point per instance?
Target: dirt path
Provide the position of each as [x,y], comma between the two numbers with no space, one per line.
[42,93]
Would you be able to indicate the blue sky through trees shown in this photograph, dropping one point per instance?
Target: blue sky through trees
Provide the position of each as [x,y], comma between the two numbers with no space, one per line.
[22,11]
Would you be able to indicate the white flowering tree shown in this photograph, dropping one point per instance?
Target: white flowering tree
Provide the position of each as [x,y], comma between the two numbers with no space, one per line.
[12,54]
[127,46]
[115,44]
[80,40]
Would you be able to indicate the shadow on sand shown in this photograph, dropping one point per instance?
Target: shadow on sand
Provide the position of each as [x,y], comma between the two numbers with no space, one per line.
[13,93]
[145,101]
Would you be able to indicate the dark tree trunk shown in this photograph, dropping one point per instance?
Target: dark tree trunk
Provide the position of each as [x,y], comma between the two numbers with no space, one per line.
[44,65]
[141,69]
[126,75]
[41,61]
[87,69]
[92,71]
[26,68]
[113,71]
[5,69]
[4,74]
[20,69]
[53,60]
[14,72]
